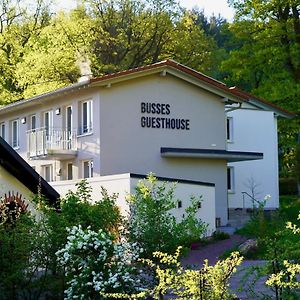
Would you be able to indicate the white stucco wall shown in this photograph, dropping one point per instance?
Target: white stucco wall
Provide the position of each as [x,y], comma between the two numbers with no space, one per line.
[125,146]
[119,183]
[256,131]
[9,183]
[123,184]
[184,191]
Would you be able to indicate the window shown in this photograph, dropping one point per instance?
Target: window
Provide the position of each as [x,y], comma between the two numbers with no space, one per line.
[48,123]
[229,129]
[15,134]
[48,172]
[32,123]
[86,117]
[230,179]
[69,119]
[69,171]
[87,169]
[2,130]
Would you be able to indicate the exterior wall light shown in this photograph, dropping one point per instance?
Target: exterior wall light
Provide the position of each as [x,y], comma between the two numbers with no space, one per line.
[57,111]
[23,120]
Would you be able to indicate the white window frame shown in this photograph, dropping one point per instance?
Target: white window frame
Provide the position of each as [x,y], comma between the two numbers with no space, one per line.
[31,127]
[88,127]
[231,187]
[2,130]
[48,127]
[15,139]
[229,129]
[50,174]
[90,168]
[67,169]
[68,128]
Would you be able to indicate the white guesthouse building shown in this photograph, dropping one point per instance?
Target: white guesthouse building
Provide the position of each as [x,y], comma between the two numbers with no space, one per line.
[163,118]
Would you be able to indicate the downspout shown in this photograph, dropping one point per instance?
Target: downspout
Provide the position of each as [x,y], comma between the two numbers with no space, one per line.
[226,111]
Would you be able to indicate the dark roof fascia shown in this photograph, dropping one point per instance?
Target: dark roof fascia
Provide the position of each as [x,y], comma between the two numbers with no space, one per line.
[230,156]
[21,170]
[179,180]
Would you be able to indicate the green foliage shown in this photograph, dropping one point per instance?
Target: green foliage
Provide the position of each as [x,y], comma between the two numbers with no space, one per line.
[94,264]
[40,51]
[78,209]
[152,224]
[277,244]
[209,283]
[219,236]
[28,264]
[288,186]
[24,264]
[287,268]
[265,61]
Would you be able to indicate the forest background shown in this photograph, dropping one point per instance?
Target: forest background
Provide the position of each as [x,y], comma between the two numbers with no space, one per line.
[259,51]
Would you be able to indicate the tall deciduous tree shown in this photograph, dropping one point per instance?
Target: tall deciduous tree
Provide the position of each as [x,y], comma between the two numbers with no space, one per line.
[40,52]
[266,60]
[18,24]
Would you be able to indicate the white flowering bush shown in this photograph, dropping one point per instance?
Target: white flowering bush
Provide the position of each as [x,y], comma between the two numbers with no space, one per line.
[95,265]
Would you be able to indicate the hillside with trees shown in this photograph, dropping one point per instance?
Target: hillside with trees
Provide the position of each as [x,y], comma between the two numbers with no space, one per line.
[42,49]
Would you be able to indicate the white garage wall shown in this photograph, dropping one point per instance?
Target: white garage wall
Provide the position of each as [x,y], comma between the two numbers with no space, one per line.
[124,184]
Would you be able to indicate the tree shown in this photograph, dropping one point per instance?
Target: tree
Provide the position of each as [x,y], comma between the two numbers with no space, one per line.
[42,52]
[151,223]
[266,60]
[17,25]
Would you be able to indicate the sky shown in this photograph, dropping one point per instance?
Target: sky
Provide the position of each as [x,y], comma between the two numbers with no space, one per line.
[210,6]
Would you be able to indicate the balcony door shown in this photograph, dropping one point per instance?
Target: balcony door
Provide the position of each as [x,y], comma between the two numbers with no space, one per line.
[48,124]
[69,119]
[69,126]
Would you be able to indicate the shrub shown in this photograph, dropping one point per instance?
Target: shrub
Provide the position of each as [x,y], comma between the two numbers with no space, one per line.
[24,260]
[94,264]
[288,186]
[152,224]
[174,281]
[286,270]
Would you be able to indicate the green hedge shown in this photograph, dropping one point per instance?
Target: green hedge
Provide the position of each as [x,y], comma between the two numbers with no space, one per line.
[288,186]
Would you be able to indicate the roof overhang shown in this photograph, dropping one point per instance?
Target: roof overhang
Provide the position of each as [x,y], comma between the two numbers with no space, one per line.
[230,156]
[177,70]
[21,170]
[163,68]
[39,99]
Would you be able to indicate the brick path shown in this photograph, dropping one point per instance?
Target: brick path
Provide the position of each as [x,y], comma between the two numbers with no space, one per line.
[244,283]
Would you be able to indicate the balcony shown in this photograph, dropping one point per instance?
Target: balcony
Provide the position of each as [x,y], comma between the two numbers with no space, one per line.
[45,143]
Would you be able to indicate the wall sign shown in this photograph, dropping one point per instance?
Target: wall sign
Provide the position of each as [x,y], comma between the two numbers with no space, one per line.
[162,117]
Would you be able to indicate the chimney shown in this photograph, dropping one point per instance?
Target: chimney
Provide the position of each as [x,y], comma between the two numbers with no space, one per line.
[84,65]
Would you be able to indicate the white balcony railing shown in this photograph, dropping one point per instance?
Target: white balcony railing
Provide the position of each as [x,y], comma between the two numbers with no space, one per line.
[42,142]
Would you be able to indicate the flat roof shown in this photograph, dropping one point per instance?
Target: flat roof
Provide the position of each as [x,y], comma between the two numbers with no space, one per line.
[230,156]
[179,180]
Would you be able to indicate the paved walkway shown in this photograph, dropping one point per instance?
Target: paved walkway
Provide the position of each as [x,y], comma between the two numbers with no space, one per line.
[245,282]
[212,251]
